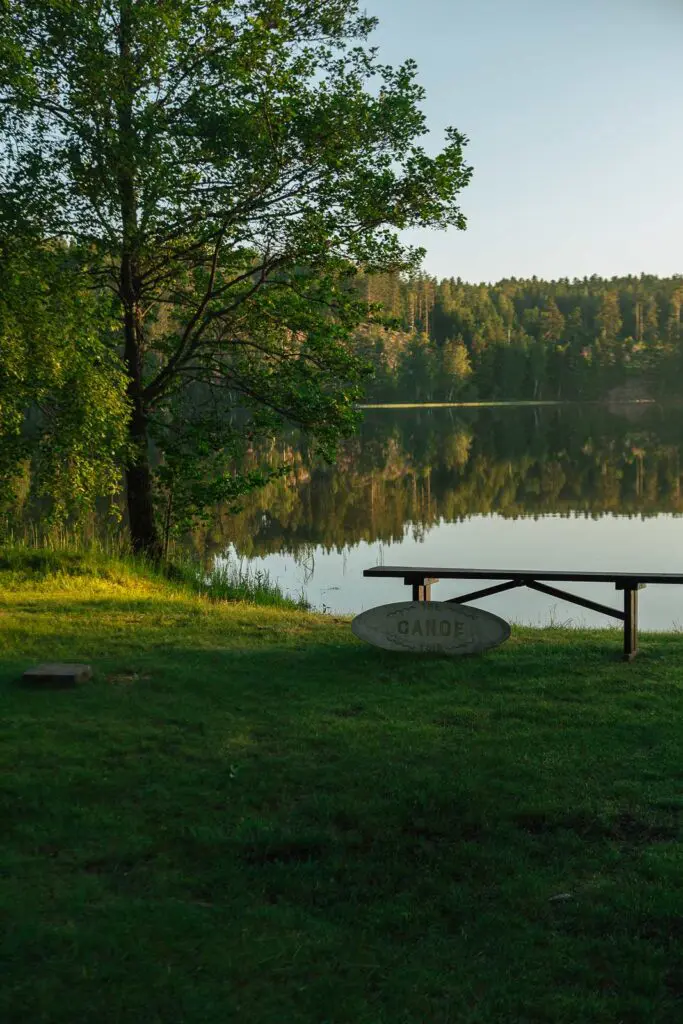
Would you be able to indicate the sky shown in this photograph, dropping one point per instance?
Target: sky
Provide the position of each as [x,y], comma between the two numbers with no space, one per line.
[574,112]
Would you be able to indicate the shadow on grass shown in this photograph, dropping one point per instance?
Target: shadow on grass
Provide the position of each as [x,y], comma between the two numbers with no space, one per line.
[268,650]
[181,642]
[317,823]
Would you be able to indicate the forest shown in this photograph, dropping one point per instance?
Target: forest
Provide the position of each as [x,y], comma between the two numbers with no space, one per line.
[193,184]
[519,339]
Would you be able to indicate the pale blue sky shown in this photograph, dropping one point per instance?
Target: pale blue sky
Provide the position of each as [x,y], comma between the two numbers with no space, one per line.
[574,112]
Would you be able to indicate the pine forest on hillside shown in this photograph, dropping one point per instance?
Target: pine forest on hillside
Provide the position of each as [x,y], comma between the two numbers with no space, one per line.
[523,339]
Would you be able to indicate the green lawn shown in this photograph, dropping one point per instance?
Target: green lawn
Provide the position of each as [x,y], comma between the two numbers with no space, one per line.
[248,816]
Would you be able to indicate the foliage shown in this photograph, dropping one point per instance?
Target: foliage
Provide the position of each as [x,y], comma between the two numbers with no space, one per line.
[63,406]
[227,167]
[523,339]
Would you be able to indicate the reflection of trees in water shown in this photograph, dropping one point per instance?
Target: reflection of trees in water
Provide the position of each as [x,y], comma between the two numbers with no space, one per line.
[304,557]
[407,471]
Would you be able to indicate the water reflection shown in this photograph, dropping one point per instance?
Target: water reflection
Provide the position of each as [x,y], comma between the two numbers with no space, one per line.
[549,487]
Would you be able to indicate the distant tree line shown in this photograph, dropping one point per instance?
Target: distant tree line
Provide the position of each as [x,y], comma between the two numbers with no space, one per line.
[522,339]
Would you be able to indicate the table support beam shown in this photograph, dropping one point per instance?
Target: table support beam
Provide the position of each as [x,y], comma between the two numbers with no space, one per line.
[486,592]
[575,599]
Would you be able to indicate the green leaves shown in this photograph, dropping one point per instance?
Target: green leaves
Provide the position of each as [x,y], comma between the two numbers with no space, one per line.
[221,168]
[62,390]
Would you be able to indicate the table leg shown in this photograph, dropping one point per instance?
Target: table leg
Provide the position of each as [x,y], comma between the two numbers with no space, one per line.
[630,623]
[422,591]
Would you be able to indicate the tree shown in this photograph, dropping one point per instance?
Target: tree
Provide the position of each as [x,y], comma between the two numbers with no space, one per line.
[608,322]
[538,367]
[222,167]
[417,370]
[512,361]
[673,322]
[456,366]
[56,364]
[552,323]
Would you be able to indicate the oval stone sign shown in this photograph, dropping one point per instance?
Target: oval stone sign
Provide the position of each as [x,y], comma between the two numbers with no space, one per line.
[430,627]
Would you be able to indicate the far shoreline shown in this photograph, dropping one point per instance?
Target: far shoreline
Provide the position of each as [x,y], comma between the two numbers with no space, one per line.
[481,405]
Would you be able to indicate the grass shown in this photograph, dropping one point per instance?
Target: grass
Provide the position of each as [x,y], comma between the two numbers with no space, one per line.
[249,816]
[59,563]
[491,405]
[229,580]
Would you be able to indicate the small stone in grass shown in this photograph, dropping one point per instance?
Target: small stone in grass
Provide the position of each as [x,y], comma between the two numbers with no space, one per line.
[57,674]
[561,897]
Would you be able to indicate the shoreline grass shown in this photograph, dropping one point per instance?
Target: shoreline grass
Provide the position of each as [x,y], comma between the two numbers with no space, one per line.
[487,405]
[248,815]
[227,580]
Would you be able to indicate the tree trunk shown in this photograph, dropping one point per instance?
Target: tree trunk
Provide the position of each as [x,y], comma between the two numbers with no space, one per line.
[141,522]
[143,530]
[139,496]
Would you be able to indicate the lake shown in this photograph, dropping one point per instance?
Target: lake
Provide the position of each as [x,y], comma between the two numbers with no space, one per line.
[575,487]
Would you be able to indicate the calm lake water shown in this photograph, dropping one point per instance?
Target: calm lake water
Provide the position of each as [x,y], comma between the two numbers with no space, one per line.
[567,488]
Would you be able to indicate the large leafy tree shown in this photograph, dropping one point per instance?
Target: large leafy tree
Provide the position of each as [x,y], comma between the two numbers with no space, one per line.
[63,405]
[224,167]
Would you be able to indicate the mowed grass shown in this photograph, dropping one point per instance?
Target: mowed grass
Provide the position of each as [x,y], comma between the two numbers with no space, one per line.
[249,816]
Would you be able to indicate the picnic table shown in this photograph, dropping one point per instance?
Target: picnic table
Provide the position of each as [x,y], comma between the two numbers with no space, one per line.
[421,579]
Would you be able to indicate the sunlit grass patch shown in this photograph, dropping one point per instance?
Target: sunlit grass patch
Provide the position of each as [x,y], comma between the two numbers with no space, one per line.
[94,571]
